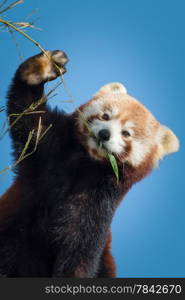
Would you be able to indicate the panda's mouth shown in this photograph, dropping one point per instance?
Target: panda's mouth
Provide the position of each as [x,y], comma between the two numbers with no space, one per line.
[98,141]
[101,146]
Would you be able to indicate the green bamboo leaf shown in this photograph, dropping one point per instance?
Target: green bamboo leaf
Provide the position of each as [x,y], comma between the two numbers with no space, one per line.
[114,165]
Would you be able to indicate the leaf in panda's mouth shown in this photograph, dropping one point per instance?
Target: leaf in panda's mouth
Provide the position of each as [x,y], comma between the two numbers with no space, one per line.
[114,165]
[111,159]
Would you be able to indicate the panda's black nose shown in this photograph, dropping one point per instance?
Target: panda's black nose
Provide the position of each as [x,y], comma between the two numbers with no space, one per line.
[104,135]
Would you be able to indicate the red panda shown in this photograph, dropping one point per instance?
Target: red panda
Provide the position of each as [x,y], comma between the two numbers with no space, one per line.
[55,220]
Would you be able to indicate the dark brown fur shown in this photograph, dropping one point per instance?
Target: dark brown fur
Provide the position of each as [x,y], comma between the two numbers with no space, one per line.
[10,203]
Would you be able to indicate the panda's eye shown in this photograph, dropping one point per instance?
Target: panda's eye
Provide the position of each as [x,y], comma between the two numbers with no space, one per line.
[105,117]
[125,133]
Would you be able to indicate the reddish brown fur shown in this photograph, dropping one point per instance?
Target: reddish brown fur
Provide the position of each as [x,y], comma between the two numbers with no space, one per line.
[79,272]
[9,202]
[96,154]
[132,174]
[108,259]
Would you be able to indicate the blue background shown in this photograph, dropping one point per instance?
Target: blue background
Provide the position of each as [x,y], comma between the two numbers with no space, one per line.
[141,44]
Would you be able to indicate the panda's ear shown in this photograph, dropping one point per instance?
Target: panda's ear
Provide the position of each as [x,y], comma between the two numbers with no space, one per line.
[168,142]
[113,87]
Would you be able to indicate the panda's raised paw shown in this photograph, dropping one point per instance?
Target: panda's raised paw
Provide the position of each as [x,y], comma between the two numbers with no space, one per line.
[59,57]
[43,67]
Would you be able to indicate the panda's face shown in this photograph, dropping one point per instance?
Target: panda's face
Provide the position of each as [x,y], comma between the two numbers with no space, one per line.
[113,122]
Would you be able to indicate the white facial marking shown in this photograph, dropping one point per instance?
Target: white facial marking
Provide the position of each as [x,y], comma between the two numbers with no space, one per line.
[139,151]
[115,144]
[93,109]
[114,111]
[129,124]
